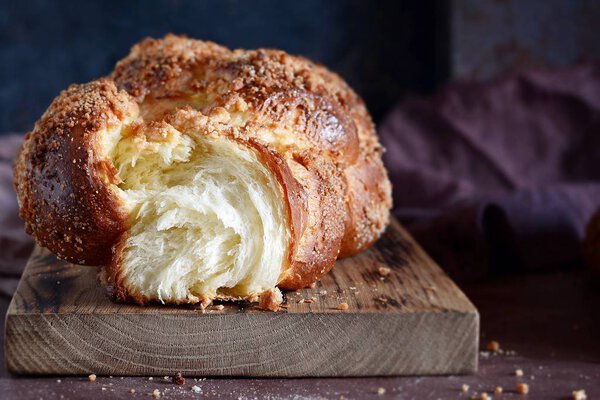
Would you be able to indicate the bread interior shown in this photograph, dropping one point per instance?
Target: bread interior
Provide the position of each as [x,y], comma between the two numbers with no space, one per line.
[208,219]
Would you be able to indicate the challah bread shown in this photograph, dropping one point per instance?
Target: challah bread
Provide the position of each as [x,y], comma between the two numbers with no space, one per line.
[194,172]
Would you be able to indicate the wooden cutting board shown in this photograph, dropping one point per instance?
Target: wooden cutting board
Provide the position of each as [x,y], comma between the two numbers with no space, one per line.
[413,321]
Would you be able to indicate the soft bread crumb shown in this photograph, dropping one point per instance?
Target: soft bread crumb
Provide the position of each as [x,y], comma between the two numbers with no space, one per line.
[519,372]
[92,377]
[522,388]
[271,299]
[493,346]
[464,388]
[196,389]
[220,307]
[132,391]
[579,394]
[156,393]
[343,306]
[381,391]
[174,176]
[384,271]
[498,390]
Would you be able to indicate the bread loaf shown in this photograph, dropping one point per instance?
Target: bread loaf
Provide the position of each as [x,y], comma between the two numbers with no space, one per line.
[194,172]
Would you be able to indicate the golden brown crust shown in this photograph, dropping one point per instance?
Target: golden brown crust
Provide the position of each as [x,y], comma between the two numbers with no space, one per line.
[62,181]
[319,245]
[304,122]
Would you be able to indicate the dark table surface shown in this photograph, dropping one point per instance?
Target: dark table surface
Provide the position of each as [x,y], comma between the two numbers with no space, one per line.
[547,323]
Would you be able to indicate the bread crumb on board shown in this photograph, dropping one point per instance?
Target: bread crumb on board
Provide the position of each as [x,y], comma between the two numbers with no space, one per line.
[156,393]
[498,390]
[579,394]
[205,302]
[522,388]
[464,388]
[519,372]
[92,377]
[384,271]
[381,391]
[220,307]
[343,306]
[271,299]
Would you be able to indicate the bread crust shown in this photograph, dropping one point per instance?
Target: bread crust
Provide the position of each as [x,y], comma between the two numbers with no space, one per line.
[62,180]
[303,122]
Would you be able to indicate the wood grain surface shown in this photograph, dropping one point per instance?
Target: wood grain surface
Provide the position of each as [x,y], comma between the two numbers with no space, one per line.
[413,321]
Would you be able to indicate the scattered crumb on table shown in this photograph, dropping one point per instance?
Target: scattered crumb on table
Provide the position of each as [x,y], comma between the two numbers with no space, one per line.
[178,379]
[522,388]
[196,389]
[493,346]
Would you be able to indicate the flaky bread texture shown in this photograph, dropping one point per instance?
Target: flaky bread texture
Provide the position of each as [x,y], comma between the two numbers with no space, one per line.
[194,172]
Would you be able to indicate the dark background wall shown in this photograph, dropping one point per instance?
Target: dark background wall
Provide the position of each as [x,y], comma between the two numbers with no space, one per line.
[491,37]
[385,49]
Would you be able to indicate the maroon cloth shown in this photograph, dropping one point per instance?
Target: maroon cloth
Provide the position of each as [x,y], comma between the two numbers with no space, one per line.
[499,174]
